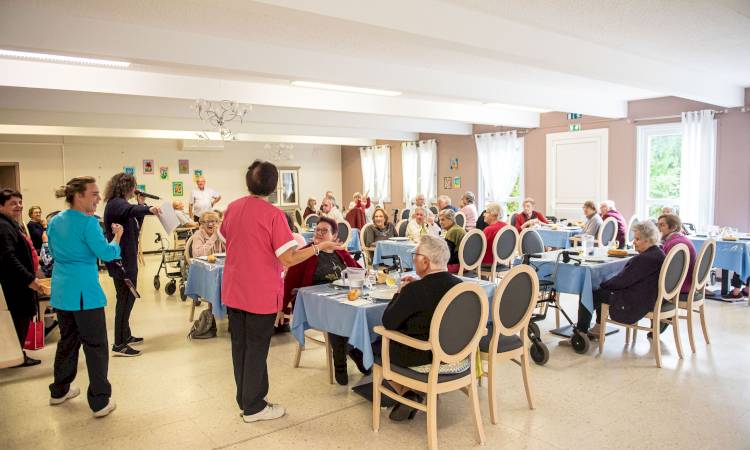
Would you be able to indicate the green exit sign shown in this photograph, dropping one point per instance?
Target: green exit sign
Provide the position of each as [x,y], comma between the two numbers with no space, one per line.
[574,116]
[574,127]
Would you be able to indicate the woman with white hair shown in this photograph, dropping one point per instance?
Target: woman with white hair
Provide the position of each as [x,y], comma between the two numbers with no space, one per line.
[631,293]
[492,215]
[206,241]
[421,224]
[453,235]
[410,312]
[469,210]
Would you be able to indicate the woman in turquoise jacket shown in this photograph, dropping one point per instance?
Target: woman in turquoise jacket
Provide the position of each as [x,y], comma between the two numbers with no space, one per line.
[76,241]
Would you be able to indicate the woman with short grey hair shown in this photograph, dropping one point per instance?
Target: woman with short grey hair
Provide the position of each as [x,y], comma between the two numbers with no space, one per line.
[470,210]
[648,231]
[453,235]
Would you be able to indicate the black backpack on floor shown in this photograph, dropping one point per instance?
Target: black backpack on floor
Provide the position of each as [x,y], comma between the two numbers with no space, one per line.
[204,327]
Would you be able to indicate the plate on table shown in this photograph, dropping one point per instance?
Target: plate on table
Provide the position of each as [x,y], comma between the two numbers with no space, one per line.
[398,239]
[383,294]
[220,255]
[339,283]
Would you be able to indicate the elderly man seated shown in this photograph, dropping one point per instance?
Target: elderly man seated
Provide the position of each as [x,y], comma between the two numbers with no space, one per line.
[206,241]
[607,210]
[491,215]
[421,224]
[411,311]
[444,202]
[593,219]
[329,209]
[631,293]
[182,216]
[453,235]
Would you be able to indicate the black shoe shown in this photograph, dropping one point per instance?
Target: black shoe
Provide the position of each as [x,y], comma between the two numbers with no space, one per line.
[29,361]
[341,375]
[135,340]
[401,412]
[662,328]
[124,350]
[282,329]
[356,355]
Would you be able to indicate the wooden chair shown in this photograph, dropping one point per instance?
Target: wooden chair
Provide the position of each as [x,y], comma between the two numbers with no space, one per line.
[329,353]
[344,233]
[513,219]
[405,214]
[368,248]
[531,243]
[401,227]
[607,232]
[504,248]
[188,259]
[695,298]
[461,220]
[470,253]
[508,334]
[434,210]
[672,275]
[298,217]
[631,235]
[312,220]
[457,325]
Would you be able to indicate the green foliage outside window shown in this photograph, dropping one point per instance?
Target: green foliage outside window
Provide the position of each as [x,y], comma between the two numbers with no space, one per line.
[664,167]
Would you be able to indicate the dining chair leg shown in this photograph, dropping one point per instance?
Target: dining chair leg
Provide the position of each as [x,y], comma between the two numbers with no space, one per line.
[432,442]
[703,323]
[627,336]
[656,341]
[557,316]
[298,354]
[329,357]
[676,332]
[474,398]
[690,328]
[192,311]
[377,381]
[491,387]
[635,334]
[603,326]
[525,373]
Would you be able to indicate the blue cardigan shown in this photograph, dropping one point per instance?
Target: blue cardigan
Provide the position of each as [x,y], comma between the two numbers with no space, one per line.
[76,241]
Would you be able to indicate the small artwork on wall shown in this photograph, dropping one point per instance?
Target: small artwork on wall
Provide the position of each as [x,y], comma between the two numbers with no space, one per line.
[141,187]
[447,183]
[184,166]
[148,166]
[454,164]
[456,182]
[129,170]
[197,173]
[164,172]
[177,190]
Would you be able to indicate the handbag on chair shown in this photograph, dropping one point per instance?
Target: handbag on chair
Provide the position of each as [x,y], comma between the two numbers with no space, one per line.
[35,335]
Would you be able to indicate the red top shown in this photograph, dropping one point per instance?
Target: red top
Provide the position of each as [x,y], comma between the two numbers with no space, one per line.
[521,218]
[490,232]
[363,206]
[301,275]
[679,238]
[256,233]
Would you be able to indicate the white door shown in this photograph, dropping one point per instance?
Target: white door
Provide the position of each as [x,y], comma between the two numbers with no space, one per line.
[576,171]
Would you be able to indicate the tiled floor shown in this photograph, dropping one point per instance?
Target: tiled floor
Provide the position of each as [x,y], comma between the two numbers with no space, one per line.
[180,394]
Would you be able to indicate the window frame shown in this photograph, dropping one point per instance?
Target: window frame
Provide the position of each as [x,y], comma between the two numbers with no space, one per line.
[482,196]
[644,135]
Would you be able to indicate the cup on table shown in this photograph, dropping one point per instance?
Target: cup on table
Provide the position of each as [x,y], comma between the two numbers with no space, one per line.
[392,279]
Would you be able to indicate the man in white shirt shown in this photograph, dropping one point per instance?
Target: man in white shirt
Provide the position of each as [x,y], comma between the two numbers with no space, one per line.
[327,209]
[421,225]
[420,202]
[202,199]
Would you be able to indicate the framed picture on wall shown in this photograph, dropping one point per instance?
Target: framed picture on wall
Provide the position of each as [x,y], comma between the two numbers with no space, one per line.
[447,183]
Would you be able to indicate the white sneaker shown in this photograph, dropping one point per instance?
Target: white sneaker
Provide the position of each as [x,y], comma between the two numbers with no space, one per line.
[111,406]
[73,392]
[270,412]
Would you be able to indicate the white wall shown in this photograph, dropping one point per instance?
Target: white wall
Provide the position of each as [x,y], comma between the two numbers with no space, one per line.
[46,162]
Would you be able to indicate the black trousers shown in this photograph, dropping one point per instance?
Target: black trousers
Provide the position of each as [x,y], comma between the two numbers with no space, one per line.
[21,321]
[584,315]
[340,348]
[737,281]
[123,308]
[251,339]
[87,327]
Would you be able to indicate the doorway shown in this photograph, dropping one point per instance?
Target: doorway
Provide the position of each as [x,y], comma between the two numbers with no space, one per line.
[10,176]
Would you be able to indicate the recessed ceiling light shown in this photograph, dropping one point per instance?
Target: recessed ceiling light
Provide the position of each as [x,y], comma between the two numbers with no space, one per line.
[338,87]
[519,107]
[63,59]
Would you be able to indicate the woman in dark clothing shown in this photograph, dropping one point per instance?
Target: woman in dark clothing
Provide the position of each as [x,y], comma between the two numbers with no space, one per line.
[37,226]
[321,269]
[119,210]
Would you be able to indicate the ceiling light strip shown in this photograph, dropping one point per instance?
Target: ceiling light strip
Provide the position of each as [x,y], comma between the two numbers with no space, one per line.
[63,59]
[339,87]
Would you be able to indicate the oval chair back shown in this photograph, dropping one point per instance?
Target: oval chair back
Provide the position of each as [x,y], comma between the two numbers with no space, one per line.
[401,227]
[531,242]
[434,210]
[471,251]
[344,233]
[457,325]
[504,248]
[188,252]
[297,229]
[672,275]
[298,216]
[513,303]
[367,247]
[312,220]
[513,219]
[461,220]
[607,232]
[702,270]
[631,234]
[405,214]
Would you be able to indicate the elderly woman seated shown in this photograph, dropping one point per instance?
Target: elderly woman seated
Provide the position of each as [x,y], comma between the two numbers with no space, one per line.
[311,207]
[631,293]
[182,216]
[421,224]
[411,311]
[492,215]
[381,229]
[593,219]
[324,268]
[453,235]
[206,241]
[469,210]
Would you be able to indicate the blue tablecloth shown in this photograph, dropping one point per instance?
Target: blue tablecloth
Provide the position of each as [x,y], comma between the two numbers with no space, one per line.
[353,246]
[730,255]
[557,238]
[581,280]
[354,320]
[204,280]
[403,249]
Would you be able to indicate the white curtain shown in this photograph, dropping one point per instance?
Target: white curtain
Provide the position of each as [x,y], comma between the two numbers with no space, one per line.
[376,171]
[698,168]
[499,157]
[419,168]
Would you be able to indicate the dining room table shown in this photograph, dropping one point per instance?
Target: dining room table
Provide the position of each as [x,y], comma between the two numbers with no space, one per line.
[731,255]
[204,282]
[558,236]
[401,247]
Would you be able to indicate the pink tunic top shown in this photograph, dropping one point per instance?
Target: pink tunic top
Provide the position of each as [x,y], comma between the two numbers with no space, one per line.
[256,233]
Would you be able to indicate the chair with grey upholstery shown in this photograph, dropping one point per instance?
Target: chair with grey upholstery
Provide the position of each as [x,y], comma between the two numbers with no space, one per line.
[434,210]
[312,220]
[531,242]
[344,232]
[672,275]
[405,214]
[298,217]
[607,232]
[513,219]
[692,301]
[504,248]
[401,228]
[470,254]
[508,336]
[461,220]
[631,234]
[368,247]
[457,325]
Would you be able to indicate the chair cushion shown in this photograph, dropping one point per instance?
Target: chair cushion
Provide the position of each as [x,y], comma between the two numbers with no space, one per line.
[666,306]
[506,344]
[684,296]
[499,268]
[423,377]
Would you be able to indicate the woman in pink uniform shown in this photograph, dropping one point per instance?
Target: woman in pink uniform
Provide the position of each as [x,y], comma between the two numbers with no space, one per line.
[259,245]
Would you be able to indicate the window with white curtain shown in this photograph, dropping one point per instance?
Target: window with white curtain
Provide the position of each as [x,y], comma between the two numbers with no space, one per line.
[419,168]
[376,171]
[500,164]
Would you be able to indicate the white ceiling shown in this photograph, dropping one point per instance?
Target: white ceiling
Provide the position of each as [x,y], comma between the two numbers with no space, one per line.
[448,57]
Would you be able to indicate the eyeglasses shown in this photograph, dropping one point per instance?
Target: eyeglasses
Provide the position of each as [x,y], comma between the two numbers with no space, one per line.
[209,222]
[322,230]
[414,255]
